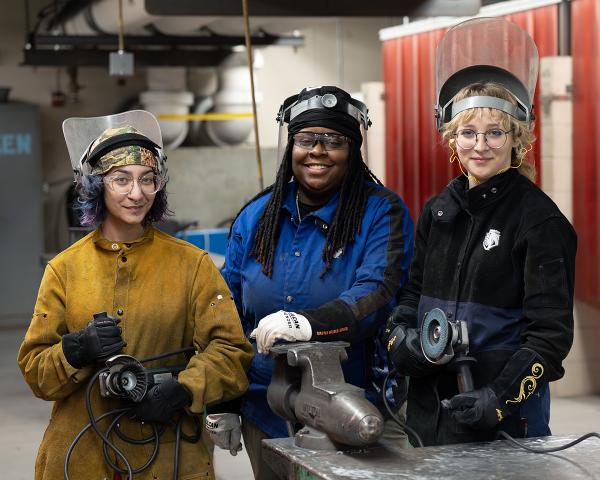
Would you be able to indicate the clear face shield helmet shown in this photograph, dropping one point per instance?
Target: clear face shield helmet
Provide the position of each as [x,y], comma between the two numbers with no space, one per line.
[486,50]
[81,134]
[292,107]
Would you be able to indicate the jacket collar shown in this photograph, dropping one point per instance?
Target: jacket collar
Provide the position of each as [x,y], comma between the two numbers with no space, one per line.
[457,196]
[323,216]
[106,244]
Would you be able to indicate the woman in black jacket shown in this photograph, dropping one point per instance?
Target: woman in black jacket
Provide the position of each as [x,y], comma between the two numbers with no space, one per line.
[495,252]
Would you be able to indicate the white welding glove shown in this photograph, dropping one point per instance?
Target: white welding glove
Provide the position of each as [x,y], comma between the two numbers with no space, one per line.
[225,431]
[281,325]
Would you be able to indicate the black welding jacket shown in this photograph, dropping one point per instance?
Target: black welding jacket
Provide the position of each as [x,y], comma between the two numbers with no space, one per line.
[500,256]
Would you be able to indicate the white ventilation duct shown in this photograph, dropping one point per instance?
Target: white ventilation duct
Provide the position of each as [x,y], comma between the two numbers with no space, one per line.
[234,96]
[173,131]
[104,13]
[167,94]
[104,16]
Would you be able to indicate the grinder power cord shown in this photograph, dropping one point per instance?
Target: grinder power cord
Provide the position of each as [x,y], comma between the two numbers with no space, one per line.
[150,395]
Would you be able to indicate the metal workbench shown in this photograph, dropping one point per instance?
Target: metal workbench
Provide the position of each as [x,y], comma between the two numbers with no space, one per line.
[476,461]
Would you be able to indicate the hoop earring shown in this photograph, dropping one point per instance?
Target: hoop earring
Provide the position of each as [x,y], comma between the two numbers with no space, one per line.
[522,154]
[454,157]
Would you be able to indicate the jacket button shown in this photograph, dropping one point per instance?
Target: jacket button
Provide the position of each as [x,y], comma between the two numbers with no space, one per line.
[115,246]
[297,253]
[440,213]
[123,258]
[325,226]
[494,190]
[289,299]
[120,312]
[484,195]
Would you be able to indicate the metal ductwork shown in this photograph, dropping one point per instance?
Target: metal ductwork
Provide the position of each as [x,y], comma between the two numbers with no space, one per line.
[189,33]
[195,33]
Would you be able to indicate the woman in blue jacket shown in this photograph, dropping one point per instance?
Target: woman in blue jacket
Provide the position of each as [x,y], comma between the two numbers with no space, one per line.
[319,255]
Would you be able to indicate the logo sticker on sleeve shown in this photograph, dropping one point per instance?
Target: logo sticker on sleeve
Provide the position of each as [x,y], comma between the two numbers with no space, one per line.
[491,240]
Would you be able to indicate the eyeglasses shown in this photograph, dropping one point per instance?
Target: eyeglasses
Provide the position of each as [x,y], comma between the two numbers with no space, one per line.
[494,138]
[123,184]
[330,141]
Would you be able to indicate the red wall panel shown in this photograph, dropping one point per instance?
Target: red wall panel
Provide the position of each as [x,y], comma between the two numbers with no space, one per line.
[417,164]
[586,147]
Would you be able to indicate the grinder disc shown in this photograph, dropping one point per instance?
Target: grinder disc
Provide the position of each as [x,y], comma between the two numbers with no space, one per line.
[435,334]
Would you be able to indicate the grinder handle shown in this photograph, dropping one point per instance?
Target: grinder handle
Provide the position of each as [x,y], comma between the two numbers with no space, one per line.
[464,378]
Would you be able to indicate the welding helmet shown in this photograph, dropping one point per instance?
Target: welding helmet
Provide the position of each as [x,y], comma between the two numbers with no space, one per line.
[325,106]
[96,144]
[483,50]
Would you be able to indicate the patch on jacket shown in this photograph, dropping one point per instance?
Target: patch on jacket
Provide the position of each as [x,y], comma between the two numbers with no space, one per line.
[491,240]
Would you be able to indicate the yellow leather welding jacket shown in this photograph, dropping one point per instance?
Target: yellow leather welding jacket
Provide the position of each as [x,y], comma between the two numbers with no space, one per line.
[168,295]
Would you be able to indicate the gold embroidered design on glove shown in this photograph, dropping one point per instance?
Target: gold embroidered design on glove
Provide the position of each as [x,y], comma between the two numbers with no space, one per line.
[528,384]
[499,415]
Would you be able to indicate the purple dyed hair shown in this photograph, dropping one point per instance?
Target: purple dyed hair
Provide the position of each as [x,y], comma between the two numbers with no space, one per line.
[92,210]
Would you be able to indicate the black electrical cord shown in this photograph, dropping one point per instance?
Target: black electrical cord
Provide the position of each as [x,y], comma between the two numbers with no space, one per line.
[177,441]
[506,436]
[155,437]
[500,434]
[93,424]
[119,413]
[394,417]
[168,354]
[105,439]
[137,441]
[80,434]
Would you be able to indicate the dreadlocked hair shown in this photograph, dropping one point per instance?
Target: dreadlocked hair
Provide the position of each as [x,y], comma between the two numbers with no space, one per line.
[346,221]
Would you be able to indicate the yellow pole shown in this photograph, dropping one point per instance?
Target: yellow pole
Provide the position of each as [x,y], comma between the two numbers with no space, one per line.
[250,66]
[205,116]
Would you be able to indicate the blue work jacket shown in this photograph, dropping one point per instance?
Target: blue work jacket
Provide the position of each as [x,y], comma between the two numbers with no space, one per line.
[350,302]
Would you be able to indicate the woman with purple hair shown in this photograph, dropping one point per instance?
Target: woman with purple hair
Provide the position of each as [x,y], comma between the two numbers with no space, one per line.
[129,288]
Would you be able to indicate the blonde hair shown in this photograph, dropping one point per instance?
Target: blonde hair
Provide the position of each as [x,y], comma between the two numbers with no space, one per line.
[522,132]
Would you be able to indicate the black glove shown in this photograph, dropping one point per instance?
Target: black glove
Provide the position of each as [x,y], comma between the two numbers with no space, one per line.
[486,407]
[162,401]
[478,409]
[404,315]
[403,344]
[98,341]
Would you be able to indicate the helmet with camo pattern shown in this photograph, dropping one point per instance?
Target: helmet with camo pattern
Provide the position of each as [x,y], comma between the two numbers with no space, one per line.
[122,156]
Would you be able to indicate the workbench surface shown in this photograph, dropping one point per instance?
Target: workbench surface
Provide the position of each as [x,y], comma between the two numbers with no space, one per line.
[475,461]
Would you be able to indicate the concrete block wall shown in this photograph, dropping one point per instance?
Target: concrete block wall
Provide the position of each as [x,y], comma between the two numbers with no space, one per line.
[209,185]
[582,365]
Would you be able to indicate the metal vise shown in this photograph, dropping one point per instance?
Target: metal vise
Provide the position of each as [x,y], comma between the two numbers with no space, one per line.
[308,387]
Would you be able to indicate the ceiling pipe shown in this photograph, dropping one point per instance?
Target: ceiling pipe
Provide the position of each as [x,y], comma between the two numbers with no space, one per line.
[70,10]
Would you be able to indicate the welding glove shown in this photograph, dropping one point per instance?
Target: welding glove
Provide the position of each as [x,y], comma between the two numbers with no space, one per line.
[484,408]
[479,408]
[162,401]
[404,345]
[281,325]
[99,340]
[225,431]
